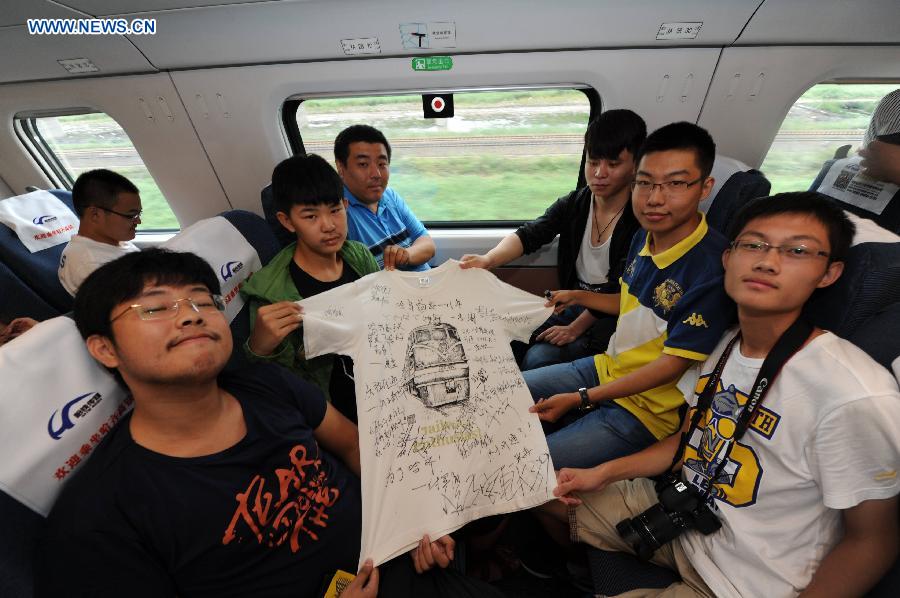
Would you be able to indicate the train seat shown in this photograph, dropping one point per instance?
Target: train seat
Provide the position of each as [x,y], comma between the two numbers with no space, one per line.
[284,236]
[56,404]
[36,261]
[736,184]
[841,180]
[869,284]
[236,244]
[20,300]
[871,338]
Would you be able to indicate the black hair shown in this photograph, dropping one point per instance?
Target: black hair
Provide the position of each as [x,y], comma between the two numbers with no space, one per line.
[305,180]
[612,132]
[126,277]
[99,188]
[683,136]
[355,134]
[840,229]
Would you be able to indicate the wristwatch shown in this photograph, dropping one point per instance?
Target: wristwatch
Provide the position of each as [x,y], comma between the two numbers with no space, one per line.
[586,404]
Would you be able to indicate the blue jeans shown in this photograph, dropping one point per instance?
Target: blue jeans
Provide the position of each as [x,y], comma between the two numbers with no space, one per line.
[594,340]
[606,432]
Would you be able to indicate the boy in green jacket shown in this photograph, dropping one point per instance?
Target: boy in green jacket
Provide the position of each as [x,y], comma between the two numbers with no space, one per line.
[309,202]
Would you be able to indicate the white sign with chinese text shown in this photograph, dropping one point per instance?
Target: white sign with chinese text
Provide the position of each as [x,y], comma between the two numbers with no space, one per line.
[361,45]
[425,36]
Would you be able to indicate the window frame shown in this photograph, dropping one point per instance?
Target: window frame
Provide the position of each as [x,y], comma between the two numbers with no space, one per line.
[27,131]
[836,81]
[294,138]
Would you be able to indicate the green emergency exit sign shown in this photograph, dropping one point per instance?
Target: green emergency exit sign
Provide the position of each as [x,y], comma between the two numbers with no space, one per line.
[432,63]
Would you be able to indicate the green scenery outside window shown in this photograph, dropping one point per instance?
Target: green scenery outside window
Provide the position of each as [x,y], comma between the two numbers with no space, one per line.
[505,155]
[85,142]
[826,117]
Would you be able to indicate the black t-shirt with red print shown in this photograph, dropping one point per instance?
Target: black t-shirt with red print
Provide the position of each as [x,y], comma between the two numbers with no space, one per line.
[274,515]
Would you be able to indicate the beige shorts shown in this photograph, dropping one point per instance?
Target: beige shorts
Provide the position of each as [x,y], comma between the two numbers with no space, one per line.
[594,522]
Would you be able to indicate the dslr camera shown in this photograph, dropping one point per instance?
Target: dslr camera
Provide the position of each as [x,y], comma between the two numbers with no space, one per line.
[680,508]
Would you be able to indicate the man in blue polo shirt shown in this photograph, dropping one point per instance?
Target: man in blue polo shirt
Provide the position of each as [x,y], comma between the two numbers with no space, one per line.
[377,216]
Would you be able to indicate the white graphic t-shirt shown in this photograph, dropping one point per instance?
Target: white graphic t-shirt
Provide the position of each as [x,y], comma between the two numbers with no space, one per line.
[82,256]
[445,433]
[826,437]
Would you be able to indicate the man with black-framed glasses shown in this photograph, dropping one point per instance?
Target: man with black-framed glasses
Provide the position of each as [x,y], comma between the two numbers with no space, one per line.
[109,208]
[791,442]
[671,312]
[237,483]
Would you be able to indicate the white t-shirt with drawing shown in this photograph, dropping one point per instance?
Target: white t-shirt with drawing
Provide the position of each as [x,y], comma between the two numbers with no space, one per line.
[82,256]
[445,433]
[826,437]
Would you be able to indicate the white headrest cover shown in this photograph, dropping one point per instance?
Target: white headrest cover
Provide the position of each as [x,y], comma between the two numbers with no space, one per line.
[56,404]
[39,219]
[722,170]
[225,249]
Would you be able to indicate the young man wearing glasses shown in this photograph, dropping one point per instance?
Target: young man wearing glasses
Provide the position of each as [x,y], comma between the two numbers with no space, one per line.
[109,208]
[799,467]
[238,484]
[671,311]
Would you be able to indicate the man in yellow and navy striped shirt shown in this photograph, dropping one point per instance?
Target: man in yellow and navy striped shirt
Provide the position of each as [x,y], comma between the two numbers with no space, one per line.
[672,311]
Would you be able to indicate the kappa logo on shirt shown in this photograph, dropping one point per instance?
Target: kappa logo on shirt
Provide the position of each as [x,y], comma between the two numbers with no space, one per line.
[695,319]
[667,294]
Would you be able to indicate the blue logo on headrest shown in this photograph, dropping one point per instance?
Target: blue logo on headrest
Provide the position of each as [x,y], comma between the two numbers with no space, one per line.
[44,219]
[66,423]
[230,269]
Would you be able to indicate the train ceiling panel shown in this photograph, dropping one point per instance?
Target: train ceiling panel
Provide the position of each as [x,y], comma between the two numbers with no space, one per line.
[209,33]
[16,12]
[824,21]
[292,31]
[116,7]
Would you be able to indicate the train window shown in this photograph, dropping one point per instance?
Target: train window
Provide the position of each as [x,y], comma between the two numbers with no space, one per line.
[504,156]
[67,145]
[826,117]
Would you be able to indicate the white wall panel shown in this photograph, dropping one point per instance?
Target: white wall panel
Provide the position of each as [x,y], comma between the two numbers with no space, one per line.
[755,87]
[169,147]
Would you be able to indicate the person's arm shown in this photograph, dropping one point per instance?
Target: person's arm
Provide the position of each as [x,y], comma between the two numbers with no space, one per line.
[653,460]
[365,584]
[863,555]
[662,370]
[17,327]
[272,324]
[509,248]
[416,254]
[428,554]
[607,303]
[563,335]
[340,437]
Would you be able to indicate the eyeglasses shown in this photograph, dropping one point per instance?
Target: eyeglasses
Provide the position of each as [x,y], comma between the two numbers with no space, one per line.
[123,215]
[166,309]
[796,252]
[668,188]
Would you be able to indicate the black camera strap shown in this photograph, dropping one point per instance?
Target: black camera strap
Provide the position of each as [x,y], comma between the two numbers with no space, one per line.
[785,347]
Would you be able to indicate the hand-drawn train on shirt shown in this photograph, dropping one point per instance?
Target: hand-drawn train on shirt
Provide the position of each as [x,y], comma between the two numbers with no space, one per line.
[436,370]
